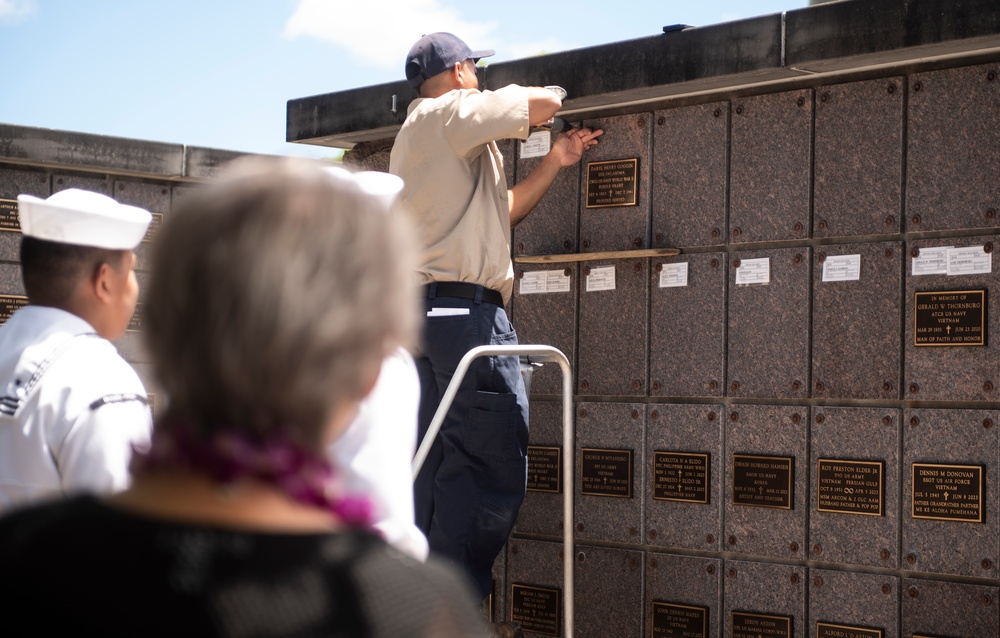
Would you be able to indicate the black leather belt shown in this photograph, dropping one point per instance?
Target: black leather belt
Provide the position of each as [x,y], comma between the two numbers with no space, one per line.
[461,290]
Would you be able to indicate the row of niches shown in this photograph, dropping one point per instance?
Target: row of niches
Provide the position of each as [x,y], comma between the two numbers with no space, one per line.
[916,490]
[629,593]
[877,157]
[893,321]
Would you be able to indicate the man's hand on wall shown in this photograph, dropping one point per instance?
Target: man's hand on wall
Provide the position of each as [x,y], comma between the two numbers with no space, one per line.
[569,147]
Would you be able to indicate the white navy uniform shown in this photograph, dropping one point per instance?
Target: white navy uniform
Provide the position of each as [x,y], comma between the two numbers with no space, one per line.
[71,408]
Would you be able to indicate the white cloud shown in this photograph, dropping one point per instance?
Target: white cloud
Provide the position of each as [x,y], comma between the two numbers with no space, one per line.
[380,32]
[13,11]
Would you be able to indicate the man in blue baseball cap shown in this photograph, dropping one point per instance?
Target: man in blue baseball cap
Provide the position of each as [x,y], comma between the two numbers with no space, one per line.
[471,486]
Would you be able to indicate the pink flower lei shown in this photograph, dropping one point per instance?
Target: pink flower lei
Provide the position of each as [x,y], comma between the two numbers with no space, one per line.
[228,456]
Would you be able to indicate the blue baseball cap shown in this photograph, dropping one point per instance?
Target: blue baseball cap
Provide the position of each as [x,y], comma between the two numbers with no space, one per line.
[437,52]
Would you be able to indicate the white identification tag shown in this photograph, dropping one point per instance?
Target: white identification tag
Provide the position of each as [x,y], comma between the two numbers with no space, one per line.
[538,144]
[972,260]
[447,312]
[674,275]
[754,271]
[931,261]
[544,281]
[601,279]
[842,268]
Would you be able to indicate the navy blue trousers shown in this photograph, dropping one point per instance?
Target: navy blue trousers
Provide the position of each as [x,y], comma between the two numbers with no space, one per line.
[472,484]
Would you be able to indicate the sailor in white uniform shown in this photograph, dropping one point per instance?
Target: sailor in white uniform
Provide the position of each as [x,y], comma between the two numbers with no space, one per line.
[70,407]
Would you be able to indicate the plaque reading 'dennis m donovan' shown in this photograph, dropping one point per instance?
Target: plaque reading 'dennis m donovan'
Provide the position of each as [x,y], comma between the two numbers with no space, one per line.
[849,487]
[763,481]
[9,304]
[949,318]
[679,621]
[9,221]
[606,473]
[680,476]
[828,630]
[543,469]
[613,183]
[536,609]
[760,626]
[947,492]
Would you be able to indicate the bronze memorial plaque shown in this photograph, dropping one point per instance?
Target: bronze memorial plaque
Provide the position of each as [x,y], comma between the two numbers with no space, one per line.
[613,183]
[849,487]
[544,469]
[9,304]
[607,473]
[671,620]
[536,609]
[154,226]
[135,322]
[947,492]
[9,221]
[829,630]
[763,481]
[760,626]
[949,318]
[680,476]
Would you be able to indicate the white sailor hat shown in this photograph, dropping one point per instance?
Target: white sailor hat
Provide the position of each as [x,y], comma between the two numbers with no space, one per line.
[83,218]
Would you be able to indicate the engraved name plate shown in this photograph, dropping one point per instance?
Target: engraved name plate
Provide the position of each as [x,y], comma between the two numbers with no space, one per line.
[9,221]
[671,620]
[760,626]
[947,492]
[543,469]
[9,304]
[849,487]
[607,473]
[135,322]
[829,630]
[536,609]
[613,183]
[763,481]
[950,318]
[154,226]
[680,476]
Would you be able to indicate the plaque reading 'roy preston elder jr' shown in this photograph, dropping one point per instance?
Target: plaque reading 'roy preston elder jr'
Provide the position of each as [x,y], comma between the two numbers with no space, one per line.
[849,487]
[544,469]
[606,473]
[949,318]
[947,492]
[613,183]
[679,621]
[536,609]
[680,476]
[763,481]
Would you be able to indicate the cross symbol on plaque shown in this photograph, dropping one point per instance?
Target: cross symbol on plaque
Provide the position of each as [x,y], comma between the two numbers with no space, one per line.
[948,329]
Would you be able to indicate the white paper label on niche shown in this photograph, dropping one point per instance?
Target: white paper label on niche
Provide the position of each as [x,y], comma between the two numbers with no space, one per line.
[537,145]
[754,271]
[842,268]
[601,279]
[972,260]
[674,275]
[544,282]
[931,261]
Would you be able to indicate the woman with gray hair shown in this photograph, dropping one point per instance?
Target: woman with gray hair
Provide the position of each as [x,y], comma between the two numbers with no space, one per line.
[275,294]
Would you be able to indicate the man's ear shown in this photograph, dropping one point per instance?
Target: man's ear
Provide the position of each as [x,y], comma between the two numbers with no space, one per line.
[102,283]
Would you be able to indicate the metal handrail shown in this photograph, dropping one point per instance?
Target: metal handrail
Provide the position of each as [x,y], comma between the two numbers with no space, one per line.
[542,353]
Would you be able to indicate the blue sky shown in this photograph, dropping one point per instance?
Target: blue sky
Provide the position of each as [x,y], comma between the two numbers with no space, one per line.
[218,73]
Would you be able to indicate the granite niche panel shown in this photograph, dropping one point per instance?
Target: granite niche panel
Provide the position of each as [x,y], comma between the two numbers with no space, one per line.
[857,307]
[687,325]
[609,482]
[770,167]
[952,364]
[768,323]
[953,149]
[690,168]
[938,608]
[542,511]
[535,586]
[544,311]
[764,599]
[683,466]
[613,327]
[854,486]
[12,295]
[951,491]
[613,222]
[496,601]
[98,184]
[552,226]
[609,585]
[153,197]
[14,182]
[845,604]
[766,479]
[859,158]
[683,595]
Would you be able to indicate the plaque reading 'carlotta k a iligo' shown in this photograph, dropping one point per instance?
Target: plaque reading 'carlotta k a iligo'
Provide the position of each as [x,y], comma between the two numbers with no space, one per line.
[950,318]
[760,626]
[612,183]
[849,487]
[947,492]
[680,476]
[763,481]
[829,630]
[606,473]
[536,609]
[671,620]
[544,465]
